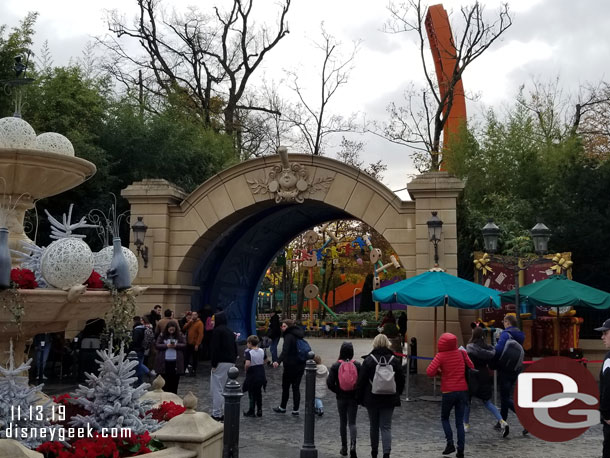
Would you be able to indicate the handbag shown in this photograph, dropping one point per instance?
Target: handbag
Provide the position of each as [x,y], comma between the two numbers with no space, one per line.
[471,376]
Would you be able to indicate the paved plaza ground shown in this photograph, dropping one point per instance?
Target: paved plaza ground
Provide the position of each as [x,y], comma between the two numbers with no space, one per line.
[416,427]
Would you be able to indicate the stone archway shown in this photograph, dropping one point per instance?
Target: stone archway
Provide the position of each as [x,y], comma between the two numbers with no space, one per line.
[213,245]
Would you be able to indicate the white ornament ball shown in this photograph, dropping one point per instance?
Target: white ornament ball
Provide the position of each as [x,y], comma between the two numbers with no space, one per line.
[53,142]
[66,263]
[103,259]
[16,133]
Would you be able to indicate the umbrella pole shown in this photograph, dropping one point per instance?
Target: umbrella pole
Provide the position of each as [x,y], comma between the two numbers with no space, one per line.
[559,333]
[435,342]
[445,315]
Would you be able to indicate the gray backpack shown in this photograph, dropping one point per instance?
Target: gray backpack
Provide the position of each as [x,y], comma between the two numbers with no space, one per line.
[383,380]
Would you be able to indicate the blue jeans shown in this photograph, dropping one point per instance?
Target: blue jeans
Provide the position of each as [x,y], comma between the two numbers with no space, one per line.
[488,405]
[273,348]
[141,368]
[507,385]
[457,399]
[42,354]
[318,405]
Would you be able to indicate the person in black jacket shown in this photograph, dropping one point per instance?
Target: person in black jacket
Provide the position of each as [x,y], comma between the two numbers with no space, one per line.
[293,367]
[380,407]
[604,389]
[481,354]
[347,401]
[274,333]
[223,355]
[137,345]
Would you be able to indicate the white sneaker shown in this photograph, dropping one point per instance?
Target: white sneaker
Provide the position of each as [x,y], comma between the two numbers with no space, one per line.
[466,427]
[504,428]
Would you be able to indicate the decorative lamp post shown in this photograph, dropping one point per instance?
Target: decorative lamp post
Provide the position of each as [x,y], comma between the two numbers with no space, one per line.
[435,229]
[540,236]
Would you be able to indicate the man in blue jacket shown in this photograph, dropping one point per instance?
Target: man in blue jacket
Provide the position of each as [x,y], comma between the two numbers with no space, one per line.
[604,389]
[507,376]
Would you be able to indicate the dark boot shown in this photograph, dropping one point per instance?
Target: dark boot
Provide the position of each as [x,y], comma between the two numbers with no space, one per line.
[459,454]
[249,413]
[343,451]
[386,455]
[450,448]
[352,449]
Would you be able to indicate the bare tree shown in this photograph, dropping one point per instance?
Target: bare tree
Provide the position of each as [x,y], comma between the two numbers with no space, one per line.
[310,116]
[561,115]
[420,123]
[206,60]
[349,153]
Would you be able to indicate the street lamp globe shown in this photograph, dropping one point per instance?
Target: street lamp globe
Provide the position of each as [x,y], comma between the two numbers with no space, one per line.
[491,233]
[540,235]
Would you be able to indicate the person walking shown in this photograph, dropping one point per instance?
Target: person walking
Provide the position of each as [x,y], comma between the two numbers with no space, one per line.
[168,315]
[507,366]
[480,353]
[450,363]
[343,381]
[223,355]
[379,402]
[194,335]
[137,345]
[274,333]
[154,316]
[604,389]
[170,356]
[294,367]
[321,376]
[255,376]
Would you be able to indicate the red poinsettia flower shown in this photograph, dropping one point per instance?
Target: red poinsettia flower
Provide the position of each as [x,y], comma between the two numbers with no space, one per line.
[166,411]
[94,280]
[24,278]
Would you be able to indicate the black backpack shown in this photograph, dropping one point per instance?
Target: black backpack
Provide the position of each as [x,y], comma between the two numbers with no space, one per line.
[511,359]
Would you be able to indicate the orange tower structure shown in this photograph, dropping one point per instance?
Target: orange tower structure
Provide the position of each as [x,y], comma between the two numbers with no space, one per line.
[443,51]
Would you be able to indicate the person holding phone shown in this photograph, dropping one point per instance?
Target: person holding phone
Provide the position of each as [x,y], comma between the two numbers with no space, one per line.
[170,356]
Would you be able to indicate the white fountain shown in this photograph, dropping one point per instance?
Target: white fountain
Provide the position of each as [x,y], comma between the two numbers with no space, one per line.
[31,168]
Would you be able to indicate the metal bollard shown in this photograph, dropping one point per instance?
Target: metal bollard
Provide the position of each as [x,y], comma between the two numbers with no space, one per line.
[232,394]
[309,447]
[413,352]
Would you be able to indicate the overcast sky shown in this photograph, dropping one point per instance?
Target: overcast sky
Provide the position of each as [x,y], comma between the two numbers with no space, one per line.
[549,38]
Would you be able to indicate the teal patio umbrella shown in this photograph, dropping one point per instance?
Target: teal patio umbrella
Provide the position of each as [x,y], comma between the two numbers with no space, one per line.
[436,288]
[560,291]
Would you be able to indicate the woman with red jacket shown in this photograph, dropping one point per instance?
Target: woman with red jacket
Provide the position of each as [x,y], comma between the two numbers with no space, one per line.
[450,363]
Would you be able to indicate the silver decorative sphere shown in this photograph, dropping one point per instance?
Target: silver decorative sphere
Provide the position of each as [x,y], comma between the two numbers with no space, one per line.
[103,258]
[66,263]
[16,133]
[53,142]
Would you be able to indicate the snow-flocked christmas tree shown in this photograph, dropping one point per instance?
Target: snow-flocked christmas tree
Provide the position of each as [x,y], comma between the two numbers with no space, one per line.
[111,399]
[19,410]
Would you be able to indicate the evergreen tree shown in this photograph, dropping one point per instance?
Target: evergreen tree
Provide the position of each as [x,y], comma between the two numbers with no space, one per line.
[16,400]
[112,400]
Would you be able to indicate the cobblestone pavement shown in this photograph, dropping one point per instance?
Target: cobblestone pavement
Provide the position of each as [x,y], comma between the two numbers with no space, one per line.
[416,426]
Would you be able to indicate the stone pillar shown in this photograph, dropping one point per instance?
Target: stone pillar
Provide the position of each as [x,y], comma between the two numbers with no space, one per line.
[193,431]
[434,191]
[154,200]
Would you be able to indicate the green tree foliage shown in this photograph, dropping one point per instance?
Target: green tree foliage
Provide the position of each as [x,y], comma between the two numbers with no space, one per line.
[13,43]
